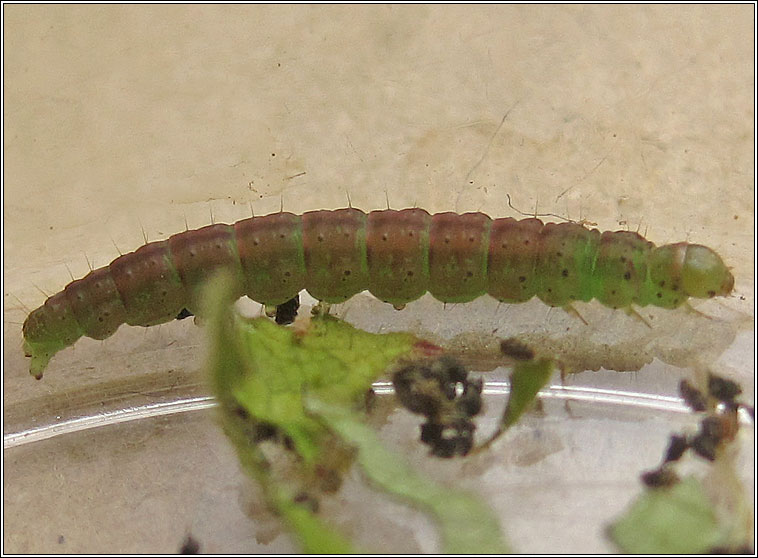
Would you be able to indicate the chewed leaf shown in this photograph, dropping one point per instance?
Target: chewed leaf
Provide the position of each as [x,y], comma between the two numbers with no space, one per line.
[266,370]
[260,374]
[271,372]
[675,520]
[466,525]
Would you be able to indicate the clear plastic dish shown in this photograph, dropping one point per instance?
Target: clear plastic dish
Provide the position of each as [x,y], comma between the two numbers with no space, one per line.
[138,463]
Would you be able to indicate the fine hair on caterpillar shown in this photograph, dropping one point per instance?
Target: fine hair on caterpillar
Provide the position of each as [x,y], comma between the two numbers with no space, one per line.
[397,255]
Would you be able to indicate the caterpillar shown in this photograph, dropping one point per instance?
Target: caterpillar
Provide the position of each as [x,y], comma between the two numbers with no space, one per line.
[397,255]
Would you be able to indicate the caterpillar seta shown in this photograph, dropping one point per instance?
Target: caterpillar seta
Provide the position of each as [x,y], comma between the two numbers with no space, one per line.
[397,255]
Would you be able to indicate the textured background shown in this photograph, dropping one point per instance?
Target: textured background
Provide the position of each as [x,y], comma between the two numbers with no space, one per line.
[124,119]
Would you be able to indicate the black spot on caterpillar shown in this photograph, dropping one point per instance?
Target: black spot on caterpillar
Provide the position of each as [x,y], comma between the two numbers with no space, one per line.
[396,255]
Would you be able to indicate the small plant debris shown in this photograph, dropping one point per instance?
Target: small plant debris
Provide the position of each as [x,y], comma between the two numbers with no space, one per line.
[515,349]
[441,391]
[184,314]
[693,397]
[723,389]
[662,477]
[287,312]
[677,446]
[676,515]
[190,546]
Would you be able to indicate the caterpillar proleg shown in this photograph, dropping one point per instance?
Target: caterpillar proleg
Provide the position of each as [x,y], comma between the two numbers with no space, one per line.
[397,255]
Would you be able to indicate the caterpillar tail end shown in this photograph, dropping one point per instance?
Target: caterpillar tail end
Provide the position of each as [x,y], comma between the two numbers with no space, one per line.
[39,362]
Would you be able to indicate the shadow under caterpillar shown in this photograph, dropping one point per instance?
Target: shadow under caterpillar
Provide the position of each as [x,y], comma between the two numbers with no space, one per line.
[397,255]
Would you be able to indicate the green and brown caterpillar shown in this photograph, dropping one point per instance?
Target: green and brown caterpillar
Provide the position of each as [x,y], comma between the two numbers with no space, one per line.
[397,255]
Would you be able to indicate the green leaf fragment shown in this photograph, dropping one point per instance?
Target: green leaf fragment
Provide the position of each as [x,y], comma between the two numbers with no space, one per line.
[676,520]
[466,525]
[314,535]
[527,379]
[267,369]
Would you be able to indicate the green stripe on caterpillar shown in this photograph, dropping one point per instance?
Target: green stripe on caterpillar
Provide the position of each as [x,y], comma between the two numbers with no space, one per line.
[397,255]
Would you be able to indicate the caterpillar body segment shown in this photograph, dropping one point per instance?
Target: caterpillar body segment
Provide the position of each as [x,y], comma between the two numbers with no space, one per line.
[397,255]
[334,244]
[272,258]
[458,250]
[513,253]
[397,250]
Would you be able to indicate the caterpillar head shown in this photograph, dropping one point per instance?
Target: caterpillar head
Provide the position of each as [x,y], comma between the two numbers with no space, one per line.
[704,274]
